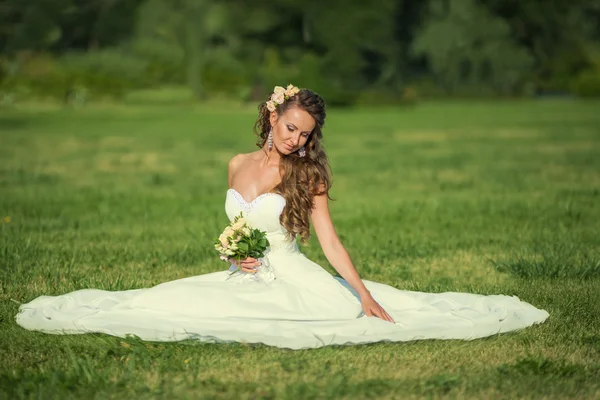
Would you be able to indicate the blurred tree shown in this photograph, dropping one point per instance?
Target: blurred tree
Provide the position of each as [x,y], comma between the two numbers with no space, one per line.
[354,38]
[62,25]
[466,45]
[341,47]
[30,25]
[95,24]
[557,33]
[353,42]
[196,26]
[408,18]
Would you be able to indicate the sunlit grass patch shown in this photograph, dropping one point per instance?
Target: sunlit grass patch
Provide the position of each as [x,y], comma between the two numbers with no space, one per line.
[434,136]
[463,266]
[513,134]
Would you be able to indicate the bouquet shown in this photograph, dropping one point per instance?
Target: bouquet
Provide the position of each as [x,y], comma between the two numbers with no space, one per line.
[239,241]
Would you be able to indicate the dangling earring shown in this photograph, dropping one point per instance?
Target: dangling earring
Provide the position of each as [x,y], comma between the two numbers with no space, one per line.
[270,140]
[302,151]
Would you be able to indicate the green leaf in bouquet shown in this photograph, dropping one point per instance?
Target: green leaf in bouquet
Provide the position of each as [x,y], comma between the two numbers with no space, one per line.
[237,217]
[243,246]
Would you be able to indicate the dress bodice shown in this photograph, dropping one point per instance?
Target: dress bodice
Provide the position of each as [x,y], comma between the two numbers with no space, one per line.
[262,213]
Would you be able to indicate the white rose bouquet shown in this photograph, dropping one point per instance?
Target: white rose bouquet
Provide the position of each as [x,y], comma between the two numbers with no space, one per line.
[240,241]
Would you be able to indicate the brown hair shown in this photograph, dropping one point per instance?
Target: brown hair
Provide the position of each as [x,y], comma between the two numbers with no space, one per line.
[302,177]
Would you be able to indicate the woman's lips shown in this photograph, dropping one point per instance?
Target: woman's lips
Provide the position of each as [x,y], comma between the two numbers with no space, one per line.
[288,147]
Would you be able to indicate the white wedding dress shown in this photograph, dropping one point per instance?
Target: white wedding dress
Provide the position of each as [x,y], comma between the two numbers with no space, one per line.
[292,303]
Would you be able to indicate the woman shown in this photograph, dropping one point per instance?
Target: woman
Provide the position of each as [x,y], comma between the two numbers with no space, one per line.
[283,300]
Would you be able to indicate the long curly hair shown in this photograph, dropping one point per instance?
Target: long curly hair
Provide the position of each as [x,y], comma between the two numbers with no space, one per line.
[302,177]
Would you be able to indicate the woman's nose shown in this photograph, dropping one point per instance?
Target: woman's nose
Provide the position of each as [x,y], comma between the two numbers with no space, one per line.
[296,139]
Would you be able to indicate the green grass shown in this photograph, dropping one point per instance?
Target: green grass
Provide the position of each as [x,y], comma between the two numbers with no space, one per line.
[496,197]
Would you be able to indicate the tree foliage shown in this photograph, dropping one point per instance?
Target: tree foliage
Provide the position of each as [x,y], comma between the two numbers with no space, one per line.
[467,46]
[341,47]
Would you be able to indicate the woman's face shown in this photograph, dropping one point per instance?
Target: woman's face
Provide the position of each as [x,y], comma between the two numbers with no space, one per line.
[291,129]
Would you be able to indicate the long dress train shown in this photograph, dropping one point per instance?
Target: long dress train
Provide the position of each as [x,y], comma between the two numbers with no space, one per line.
[294,303]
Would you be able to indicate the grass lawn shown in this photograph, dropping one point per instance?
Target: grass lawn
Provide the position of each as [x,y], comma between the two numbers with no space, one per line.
[482,197]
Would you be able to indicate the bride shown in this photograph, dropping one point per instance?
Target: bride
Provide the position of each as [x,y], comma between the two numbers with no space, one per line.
[283,299]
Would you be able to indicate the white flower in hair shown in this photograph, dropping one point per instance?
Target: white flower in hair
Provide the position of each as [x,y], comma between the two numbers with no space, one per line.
[278,98]
[291,90]
[280,95]
[271,106]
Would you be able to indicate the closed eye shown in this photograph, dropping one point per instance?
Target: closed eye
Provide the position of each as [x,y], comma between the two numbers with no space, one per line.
[292,128]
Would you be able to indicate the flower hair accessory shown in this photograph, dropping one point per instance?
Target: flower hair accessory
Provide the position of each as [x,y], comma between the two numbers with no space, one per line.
[280,95]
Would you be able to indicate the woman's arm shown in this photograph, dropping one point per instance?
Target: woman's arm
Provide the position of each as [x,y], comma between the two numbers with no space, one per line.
[249,264]
[338,256]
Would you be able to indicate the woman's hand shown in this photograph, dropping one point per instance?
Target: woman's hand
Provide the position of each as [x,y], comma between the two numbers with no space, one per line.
[372,308]
[248,264]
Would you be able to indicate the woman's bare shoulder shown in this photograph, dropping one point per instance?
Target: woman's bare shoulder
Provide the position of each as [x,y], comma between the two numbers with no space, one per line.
[236,160]
[240,159]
